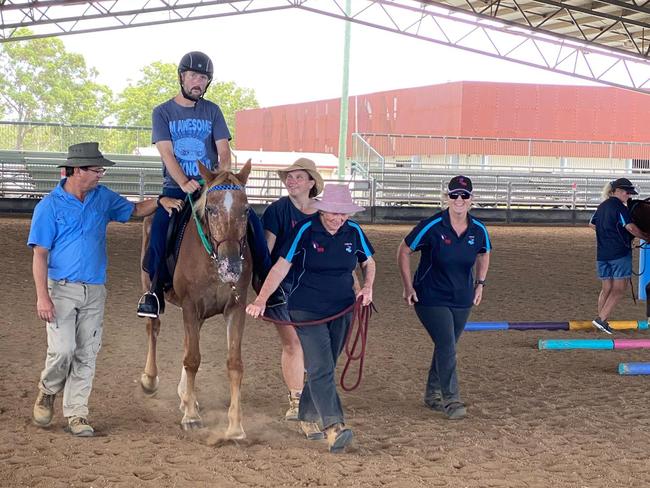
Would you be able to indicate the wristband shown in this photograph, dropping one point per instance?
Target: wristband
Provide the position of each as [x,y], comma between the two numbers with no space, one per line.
[158,200]
[479,282]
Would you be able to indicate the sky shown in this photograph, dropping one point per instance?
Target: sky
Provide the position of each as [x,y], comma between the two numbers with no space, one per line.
[294,56]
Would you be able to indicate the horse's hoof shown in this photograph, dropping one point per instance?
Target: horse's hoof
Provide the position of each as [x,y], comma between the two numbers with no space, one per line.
[236,434]
[149,384]
[191,424]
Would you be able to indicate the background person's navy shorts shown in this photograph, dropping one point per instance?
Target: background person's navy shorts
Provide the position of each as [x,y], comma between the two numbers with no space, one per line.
[615,269]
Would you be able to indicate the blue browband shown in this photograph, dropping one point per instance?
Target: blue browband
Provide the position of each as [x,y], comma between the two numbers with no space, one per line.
[225,187]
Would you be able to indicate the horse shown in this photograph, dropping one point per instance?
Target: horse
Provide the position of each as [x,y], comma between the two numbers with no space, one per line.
[640,213]
[207,282]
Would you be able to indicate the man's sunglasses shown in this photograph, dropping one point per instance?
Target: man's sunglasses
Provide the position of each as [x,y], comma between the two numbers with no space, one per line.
[98,171]
[463,195]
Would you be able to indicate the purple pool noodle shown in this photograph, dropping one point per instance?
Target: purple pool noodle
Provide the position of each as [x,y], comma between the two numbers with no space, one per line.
[538,325]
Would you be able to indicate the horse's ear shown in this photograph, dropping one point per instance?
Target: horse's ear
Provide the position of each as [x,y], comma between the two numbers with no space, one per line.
[206,174]
[242,176]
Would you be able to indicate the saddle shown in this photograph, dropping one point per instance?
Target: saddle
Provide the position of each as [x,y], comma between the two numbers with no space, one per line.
[176,230]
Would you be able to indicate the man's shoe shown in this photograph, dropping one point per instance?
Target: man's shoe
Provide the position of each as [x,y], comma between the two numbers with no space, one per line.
[455,411]
[294,404]
[434,402]
[602,325]
[79,426]
[43,409]
[338,437]
[149,306]
[312,431]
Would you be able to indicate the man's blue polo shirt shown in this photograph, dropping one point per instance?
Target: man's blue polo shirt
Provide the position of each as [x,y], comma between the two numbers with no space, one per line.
[74,232]
[322,280]
[613,241]
[444,276]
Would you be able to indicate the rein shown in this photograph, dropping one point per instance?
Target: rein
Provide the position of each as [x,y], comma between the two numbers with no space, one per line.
[360,314]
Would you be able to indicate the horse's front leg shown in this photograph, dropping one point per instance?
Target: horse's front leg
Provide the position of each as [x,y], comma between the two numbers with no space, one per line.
[149,378]
[235,323]
[191,362]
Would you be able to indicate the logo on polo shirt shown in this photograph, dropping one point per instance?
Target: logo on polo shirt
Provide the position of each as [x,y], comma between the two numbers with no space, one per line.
[470,240]
[445,239]
[348,247]
[317,246]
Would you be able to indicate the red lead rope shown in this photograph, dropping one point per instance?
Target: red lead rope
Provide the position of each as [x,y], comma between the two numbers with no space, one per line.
[360,314]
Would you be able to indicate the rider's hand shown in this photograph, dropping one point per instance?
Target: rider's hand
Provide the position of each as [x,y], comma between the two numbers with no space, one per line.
[190,186]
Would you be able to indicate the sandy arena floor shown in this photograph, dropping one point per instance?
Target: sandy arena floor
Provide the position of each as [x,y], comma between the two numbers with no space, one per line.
[535,418]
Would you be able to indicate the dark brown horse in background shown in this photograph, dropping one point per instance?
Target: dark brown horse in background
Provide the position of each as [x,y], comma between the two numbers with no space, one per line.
[209,284]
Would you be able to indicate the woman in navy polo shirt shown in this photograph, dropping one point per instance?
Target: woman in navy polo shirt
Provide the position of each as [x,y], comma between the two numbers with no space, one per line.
[614,234]
[325,250]
[443,289]
[303,182]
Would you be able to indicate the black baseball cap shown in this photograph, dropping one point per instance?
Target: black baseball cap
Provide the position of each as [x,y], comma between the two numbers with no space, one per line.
[624,184]
[460,183]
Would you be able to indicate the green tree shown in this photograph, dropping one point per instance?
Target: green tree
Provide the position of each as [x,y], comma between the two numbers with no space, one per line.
[41,81]
[159,83]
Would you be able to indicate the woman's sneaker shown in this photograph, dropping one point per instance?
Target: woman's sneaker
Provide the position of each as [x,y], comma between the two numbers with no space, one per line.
[602,325]
[294,405]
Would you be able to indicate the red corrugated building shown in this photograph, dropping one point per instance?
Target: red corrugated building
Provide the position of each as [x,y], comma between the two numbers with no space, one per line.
[466,108]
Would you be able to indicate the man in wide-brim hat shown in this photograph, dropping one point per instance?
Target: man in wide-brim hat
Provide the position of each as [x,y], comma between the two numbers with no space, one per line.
[68,237]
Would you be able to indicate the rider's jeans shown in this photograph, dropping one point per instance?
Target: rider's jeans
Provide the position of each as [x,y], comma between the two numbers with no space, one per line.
[158,237]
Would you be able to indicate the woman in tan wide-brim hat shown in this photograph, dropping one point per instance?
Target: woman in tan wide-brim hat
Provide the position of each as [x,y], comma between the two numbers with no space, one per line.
[325,248]
[303,182]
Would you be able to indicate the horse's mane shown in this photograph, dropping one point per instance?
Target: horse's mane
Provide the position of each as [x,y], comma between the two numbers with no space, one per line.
[221,178]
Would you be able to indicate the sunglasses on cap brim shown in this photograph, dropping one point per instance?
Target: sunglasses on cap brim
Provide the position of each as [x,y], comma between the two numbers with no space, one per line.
[462,194]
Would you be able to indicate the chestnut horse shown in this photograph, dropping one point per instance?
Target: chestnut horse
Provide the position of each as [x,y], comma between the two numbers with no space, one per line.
[211,277]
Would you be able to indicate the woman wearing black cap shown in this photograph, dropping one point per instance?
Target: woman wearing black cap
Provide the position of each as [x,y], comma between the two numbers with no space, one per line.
[443,289]
[614,234]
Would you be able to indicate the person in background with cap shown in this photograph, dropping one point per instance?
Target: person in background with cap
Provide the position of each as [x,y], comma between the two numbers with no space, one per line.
[68,238]
[443,290]
[325,249]
[187,131]
[303,182]
[614,234]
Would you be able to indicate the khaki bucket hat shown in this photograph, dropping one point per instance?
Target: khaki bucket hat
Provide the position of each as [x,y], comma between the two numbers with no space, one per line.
[310,167]
[85,154]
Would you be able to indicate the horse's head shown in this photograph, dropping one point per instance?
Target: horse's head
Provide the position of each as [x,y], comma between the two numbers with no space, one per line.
[223,208]
[640,213]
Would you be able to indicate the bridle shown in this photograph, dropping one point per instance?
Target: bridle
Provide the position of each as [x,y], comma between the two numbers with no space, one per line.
[224,182]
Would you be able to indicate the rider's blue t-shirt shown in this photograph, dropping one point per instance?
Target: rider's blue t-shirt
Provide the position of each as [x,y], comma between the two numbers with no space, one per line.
[193,132]
[613,241]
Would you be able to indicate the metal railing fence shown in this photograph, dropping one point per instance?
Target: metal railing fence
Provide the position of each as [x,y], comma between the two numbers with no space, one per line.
[137,179]
[377,153]
[49,136]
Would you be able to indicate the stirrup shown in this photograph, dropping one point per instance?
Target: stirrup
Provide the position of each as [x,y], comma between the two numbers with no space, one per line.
[144,306]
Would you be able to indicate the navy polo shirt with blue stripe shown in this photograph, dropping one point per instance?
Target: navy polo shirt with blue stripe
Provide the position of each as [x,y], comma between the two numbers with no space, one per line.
[322,279]
[613,241]
[280,218]
[444,276]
